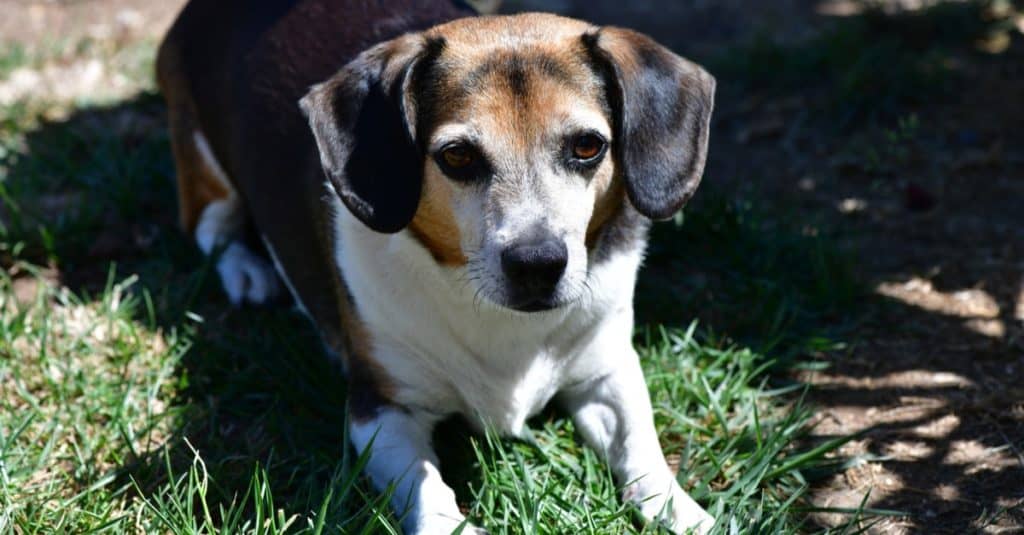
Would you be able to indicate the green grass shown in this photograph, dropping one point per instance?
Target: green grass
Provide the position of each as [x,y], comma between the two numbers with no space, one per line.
[12,56]
[784,287]
[134,399]
[112,422]
[732,433]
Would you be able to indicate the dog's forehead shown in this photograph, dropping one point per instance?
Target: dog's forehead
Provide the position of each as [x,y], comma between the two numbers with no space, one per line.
[526,62]
[482,35]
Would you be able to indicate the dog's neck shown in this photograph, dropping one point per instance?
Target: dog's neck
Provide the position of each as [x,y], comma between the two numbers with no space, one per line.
[424,320]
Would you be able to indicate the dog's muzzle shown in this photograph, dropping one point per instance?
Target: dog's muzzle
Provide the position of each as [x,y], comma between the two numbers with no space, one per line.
[533,269]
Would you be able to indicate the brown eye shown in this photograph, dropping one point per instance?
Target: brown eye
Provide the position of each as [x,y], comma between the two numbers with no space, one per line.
[458,157]
[588,147]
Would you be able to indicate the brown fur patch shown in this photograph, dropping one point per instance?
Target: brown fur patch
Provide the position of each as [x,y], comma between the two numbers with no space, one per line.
[369,384]
[434,225]
[608,202]
[503,68]
[198,184]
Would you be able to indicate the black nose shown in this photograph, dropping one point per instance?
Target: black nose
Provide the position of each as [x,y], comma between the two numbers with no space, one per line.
[535,267]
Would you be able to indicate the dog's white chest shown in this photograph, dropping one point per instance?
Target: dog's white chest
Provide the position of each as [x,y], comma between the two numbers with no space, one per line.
[505,399]
[447,352]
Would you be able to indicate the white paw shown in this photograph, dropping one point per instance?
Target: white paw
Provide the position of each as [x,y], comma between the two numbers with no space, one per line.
[672,507]
[246,277]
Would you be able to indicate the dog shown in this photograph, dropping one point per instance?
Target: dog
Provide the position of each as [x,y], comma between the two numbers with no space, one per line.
[460,204]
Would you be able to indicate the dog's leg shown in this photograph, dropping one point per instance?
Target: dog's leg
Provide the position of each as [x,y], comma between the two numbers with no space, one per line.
[613,413]
[246,276]
[401,454]
[209,206]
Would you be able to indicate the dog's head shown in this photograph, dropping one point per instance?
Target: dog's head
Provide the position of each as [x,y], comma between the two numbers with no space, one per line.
[504,144]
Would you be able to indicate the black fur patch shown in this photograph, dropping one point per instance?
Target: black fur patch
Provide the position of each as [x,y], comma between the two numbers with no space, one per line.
[661,108]
[363,132]
[382,176]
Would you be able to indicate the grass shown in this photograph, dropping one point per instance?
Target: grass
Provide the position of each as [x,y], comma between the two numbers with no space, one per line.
[134,399]
[11,58]
[114,423]
[784,288]
[731,434]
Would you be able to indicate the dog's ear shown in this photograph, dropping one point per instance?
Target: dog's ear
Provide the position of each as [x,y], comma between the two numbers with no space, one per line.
[364,121]
[661,110]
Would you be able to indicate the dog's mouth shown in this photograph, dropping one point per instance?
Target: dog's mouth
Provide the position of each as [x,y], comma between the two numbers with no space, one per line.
[532,300]
[534,305]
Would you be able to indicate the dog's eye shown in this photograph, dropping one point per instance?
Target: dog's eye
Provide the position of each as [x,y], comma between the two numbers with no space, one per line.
[458,156]
[588,147]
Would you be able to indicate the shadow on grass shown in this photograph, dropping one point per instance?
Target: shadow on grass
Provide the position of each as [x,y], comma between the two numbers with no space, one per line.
[96,194]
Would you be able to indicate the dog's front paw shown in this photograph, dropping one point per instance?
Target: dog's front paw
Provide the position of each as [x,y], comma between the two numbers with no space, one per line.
[246,276]
[672,507]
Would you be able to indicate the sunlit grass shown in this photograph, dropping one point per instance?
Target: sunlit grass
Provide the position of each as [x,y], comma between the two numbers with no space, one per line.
[105,424]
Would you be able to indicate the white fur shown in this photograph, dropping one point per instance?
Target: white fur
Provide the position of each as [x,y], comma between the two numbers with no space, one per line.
[245,276]
[401,454]
[448,351]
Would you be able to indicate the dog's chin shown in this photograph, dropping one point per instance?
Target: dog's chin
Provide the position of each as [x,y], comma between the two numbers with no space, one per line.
[535,305]
[532,304]
[526,302]
[525,305]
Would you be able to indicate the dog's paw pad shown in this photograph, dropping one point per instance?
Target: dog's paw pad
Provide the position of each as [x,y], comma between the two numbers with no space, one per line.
[247,277]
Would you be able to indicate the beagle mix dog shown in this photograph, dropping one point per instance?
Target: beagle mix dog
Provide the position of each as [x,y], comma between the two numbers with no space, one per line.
[459,203]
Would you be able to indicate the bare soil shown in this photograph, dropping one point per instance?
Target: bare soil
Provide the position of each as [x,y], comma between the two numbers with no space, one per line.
[40,22]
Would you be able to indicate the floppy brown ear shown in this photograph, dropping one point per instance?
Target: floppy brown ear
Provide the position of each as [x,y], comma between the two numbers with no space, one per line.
[661,106]
[363,119]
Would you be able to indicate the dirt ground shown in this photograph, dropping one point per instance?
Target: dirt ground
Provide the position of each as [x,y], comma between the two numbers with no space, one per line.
[30,21]
[933,379]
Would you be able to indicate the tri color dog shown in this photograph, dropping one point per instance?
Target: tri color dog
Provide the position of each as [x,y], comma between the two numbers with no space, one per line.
[459,203]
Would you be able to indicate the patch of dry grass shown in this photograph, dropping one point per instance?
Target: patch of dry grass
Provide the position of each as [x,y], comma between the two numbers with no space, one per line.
[85,389]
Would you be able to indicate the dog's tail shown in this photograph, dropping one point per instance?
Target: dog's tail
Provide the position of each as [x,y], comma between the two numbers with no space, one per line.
[485,7]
